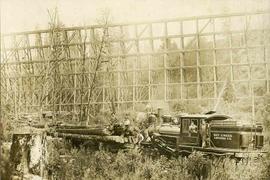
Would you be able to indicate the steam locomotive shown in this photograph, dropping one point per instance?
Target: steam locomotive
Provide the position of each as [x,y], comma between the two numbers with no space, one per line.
[214,134]
[210,133]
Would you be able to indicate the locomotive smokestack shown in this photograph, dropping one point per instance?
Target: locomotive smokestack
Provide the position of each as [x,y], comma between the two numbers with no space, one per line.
[159,112]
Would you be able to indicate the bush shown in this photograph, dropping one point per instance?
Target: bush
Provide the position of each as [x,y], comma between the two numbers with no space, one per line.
[197,165]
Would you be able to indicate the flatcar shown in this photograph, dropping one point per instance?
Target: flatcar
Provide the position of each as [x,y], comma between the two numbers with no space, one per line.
[210,133]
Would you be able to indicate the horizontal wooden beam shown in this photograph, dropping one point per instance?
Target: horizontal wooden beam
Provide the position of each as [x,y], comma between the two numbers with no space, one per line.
[137,54]
[145,101]
[143,22]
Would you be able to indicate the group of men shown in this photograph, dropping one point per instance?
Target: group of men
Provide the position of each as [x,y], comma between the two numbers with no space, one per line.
[135,132]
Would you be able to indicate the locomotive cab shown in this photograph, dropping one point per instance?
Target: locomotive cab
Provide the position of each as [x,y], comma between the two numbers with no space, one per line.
[194,129]
[190,131]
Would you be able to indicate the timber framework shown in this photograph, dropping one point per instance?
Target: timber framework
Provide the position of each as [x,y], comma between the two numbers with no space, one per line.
[182,59]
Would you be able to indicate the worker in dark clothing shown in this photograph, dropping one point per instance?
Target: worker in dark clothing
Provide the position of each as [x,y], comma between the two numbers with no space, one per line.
[113,119]
[114,125]
[204,134]
[127,128]
[126,122]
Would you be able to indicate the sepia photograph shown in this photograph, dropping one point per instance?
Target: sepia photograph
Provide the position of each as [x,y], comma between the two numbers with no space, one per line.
[135,90]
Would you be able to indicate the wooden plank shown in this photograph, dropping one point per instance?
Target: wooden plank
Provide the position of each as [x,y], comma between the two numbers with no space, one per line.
[144,22]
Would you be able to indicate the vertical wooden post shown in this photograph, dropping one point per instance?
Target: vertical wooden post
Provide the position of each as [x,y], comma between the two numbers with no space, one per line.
[31,71]
[67,58]
[231,58]
[118,84]
[133,84]
[139,57]
[74,89]
[150,61]
[103,76]
[92,41]
[43,76]
[165,58]
[16,88]
[251,84]
[215,61]
[199,93]
[2,79]
[120,62]
[267,65]
[20,84]
[81,63]
[181,61]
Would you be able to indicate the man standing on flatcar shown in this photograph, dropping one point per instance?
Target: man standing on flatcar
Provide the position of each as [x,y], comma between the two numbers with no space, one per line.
[113,119]
[127,124]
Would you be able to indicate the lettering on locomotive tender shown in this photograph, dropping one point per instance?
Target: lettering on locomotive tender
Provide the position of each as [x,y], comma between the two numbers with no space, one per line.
[227,137]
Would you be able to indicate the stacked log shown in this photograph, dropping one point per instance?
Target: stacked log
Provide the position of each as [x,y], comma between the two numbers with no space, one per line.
[89,131]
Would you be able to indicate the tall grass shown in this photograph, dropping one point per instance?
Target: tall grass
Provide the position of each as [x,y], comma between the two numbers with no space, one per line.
[84,164]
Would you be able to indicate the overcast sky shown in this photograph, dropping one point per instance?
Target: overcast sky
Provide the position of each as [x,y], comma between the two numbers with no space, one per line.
[24,15]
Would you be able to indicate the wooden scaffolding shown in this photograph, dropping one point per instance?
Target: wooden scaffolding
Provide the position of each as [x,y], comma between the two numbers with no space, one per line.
[170,60]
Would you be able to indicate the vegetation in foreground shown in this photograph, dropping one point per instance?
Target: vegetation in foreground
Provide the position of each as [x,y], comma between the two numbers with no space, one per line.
[84,164]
